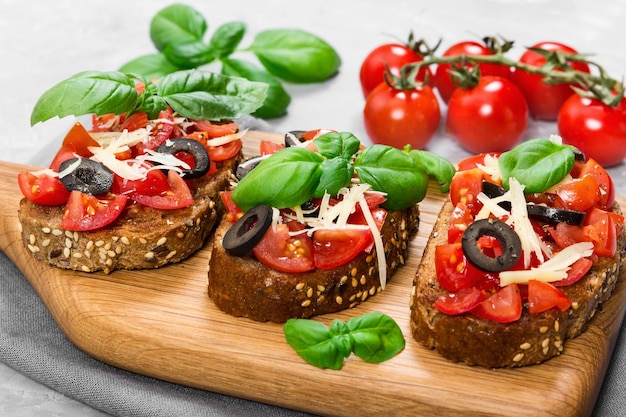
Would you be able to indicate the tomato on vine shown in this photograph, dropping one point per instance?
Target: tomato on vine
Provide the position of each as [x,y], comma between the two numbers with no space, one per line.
[492,116]
[443,79]
[594,127]
[391,56]
[398,115]
[544,100]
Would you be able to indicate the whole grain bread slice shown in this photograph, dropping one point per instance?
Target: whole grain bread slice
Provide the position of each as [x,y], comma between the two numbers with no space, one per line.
[530,340]
[244,287]
[142,238]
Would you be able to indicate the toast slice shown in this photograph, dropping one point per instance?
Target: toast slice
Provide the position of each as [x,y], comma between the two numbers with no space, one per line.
[142,238]
[530,340]
[244,287]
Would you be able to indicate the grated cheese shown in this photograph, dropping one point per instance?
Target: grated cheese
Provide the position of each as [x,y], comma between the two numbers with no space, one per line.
[223,140]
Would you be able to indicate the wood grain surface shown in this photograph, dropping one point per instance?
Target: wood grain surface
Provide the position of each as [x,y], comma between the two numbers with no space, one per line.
[161,323]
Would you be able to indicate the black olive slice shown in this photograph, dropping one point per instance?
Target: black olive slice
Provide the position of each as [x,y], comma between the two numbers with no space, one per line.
[89,177]
[192,147]
[555,215]
[294,138]
[509,240]
[492,190]
[243,236]
[248,165]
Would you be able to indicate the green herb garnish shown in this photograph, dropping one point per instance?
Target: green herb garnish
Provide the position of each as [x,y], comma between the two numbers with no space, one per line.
[373,337]
[191,93]
[538,164]
[178,33]
[293,175]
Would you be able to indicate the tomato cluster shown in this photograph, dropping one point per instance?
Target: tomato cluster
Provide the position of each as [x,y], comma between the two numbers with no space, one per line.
[490,102]
[476,291]
[84,212]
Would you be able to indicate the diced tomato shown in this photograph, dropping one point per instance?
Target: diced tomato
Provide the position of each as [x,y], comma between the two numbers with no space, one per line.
[567,234]
[579,194]
[504,306]
[76,141]
[64,153]
[224,152]
[604,181]
[459,220]
[602,228]
[233,212]
[177,196]
[454,271]
[137,120]
[459,302]
[102,123]
[473,161]
[268,147]
[43,189]
[163,129]
[283,252]
[84,212]
[577,270]
[154,183]
[465,186]
[334,247]
[216,129]
[543,296]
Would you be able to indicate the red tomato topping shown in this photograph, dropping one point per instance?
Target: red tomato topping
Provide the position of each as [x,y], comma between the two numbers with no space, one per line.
[283,252]
[543,296]
[84,212]
[459,302]
[505,306]
[454,271]
[334,247]
[44,189]
[177,196]
[268,147]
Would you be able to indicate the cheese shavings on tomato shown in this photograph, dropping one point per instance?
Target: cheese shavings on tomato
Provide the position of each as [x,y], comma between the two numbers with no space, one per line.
[378,242]
[554,269]
[223,140]
[491,167]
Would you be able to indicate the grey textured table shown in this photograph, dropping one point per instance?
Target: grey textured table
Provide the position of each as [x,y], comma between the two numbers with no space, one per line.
[43,42]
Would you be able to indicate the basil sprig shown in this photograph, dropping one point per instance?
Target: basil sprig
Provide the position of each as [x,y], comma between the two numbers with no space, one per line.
[191,93]
[538,164]
[293,175]
[373,337]
[178,33]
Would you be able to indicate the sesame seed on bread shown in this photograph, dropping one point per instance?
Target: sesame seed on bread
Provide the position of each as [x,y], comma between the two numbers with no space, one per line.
[244,287]
[530,340]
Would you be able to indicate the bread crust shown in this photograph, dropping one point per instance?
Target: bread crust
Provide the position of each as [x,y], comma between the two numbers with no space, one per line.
[530,340]
[244,287]
[142,238]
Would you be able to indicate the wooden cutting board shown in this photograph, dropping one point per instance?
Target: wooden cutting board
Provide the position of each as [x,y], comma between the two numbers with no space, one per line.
[161,323]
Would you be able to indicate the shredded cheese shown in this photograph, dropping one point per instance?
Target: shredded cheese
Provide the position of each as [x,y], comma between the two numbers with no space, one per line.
[223,140]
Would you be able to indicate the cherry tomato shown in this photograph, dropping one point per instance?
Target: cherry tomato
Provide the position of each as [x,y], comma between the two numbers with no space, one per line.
[604,181]
[460,218]
[464,188]
[215,129]
[504,306]
[459,302]
[490,117]
[395,56]
[595,128]
[334,247]
[224,152]
[233,212]
[580,193]
[542,296]
[135,121]
[268,147]
[154,183]
[283,252]
[577,270]
[76,141]
[544,100]
[43,189]
[454,271]
[443,81]
[401,117]
[84,212]
[602,228]
[177,196]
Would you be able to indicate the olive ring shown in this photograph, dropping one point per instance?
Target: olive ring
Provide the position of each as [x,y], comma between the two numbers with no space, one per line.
[503,233]
[192,147]
[243,236]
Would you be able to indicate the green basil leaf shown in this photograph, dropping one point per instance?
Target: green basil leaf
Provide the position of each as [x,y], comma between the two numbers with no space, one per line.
[206,95]
[150,66]
[312,340]
[295,55]
[538,164]
[392,171]
[87,92]
[337,144]
[435,166]
[226,38]
[285,179]
[277,99]
[340,337]
[376,337]
[189,54]
[177,24]
[336,174]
